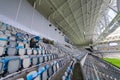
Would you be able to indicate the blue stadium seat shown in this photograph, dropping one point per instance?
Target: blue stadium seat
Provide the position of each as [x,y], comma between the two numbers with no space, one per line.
[40,73]
[32,75]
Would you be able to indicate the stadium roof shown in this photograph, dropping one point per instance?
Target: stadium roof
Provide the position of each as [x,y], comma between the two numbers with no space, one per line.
[83,21]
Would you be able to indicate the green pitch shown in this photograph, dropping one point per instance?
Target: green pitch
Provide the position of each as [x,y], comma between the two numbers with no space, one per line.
[114,61]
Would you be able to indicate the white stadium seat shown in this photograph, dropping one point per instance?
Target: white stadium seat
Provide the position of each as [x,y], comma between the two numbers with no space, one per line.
[9,61]
[2,51]
[25,61]
[21,44]
[34,51]
[39,51]
[11,51]
[21,51]
[34,59]
[29,51]
[40,58]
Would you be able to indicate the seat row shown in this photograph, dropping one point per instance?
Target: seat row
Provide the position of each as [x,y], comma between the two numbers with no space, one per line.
[104,70]
[12,51]
[12,64]
[9,46]
[12,41]
[10,30]
[68,73]
[9,37]
[45,72]
[4,26]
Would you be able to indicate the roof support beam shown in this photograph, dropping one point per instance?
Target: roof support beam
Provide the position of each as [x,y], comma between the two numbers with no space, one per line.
[110,28]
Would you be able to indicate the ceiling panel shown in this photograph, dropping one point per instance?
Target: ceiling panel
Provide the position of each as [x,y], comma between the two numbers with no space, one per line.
[76,18]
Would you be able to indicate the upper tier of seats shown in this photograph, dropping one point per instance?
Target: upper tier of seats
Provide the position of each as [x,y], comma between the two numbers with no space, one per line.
[15,53]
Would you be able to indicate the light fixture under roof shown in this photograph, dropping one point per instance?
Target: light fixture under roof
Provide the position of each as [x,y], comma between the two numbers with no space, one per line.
[113,44]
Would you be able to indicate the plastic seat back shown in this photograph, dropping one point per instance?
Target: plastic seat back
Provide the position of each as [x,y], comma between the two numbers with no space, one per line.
[11,51]
[50,71]
[29,51]
[7,33]
[25,61]
[35,52]
[13,68]
[57,65]
[45,58]
[21,51]
[12,43]
[2,51]
[32,75]
[27,45]
[54,66]
[40,52]
[34,60]
[40,58]
[44,75]
[12,38]
[21,44]
[12,64]
[63,78]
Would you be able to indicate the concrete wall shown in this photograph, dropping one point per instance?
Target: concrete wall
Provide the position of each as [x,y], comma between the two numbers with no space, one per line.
[23,20]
